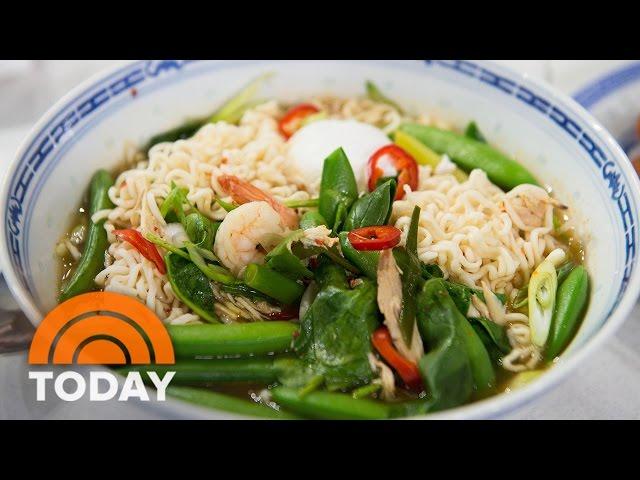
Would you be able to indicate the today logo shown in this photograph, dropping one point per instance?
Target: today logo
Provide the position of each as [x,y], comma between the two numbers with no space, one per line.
[100,328]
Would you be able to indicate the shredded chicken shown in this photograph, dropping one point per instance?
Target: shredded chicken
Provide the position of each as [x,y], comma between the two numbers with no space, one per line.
[386,378]
[318,236]
[390,304]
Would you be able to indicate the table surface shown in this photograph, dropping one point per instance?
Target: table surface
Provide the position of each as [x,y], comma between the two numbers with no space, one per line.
[606,386]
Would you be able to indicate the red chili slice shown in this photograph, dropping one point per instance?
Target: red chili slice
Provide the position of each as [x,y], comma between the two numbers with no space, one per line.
[291,121]
[379,237]
[147,249]
[407,370]
[403,163]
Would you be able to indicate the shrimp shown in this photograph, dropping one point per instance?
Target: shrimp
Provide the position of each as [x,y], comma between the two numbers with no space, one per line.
[243,192]
[528,206]
[246,233]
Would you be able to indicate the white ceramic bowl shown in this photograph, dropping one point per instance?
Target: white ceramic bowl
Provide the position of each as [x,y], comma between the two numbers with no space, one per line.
[614,99]
[552,135]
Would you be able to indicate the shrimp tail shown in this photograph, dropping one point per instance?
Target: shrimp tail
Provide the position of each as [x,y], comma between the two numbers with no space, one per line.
[243,192]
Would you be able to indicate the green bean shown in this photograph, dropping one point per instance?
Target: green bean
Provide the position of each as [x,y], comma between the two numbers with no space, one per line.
[273,284]
[328,405]
[366,390]
[571,301]
[219,401]
[311,220]
[367,262]
[470,154]
[217,340]
[92,259]
[338,189]
[258,369]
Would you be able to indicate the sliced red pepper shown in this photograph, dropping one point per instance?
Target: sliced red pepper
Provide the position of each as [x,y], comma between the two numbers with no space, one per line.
[291,121]
[147,249]
[395,157]
[407,370]
[377,237]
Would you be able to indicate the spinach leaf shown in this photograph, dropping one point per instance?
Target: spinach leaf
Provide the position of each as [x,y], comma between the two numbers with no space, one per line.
[191,286]
[283,259]
[407,259]
[335,333]
[172,207]
[461,295]
[431,271]
[493,336]
[457,361]
[338,189]
[201,230]
[372,208]
[312,219]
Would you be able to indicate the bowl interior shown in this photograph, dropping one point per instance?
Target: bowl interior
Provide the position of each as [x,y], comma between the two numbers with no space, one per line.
[561,144]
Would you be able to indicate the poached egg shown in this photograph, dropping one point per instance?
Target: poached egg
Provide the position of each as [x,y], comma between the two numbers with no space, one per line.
[310,145]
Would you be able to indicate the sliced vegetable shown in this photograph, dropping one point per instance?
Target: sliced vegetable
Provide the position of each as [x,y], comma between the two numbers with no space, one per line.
[375,94]
[273,284]
[156,240]
[372,208]
[147,249]
[423,154]
[338,189]
[92,259]
[233,108]
[328,405]
[407,370]
[234,339]
[542,296]
[470,154]
[393,158]
[571,301]
[219,401]
[378,237]
[293,119]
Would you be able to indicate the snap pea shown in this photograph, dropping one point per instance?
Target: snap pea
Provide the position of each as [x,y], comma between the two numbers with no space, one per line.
[367,262]
[329,405]
[338,189]
[311,220]
[92,260]
[258,369]
[216,340]
[273,284]
[470,154]
[219,401]
[571,300]
[564,270]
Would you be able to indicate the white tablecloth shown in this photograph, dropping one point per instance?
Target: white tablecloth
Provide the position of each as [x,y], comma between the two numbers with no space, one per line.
[606,386]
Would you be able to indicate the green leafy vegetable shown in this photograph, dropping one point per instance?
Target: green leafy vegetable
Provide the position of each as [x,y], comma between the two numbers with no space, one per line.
[191,286]
[201,230]
[311,220]
[335,333]
[372,208]
[283,259]
[338,189]
[493,336]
